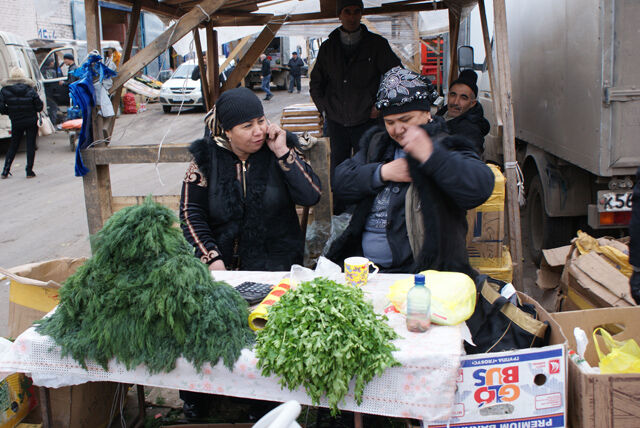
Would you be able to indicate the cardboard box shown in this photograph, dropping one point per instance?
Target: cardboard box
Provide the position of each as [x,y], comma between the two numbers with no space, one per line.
[600,400]
[522,388]
[34,292]
[485,233]
[590,281]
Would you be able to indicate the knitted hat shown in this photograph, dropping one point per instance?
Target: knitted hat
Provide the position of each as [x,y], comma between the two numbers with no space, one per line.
[68,56]
[237,106]
[341,4]
[468,77]
[402,90]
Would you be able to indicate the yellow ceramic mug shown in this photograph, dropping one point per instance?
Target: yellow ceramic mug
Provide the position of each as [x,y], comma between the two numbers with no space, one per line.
[356,270]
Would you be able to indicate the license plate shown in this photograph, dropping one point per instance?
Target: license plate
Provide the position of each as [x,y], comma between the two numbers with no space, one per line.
[609,201]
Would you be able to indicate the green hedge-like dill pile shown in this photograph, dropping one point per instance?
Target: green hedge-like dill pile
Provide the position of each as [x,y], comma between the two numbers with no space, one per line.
[321,335]
[143,298]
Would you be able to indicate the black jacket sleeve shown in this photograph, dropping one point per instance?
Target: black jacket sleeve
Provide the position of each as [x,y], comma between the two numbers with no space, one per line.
[303,184]
[194,208]
[195,74]
[355,179]
[318,80]
[460,174]
[634,227]
[3,105]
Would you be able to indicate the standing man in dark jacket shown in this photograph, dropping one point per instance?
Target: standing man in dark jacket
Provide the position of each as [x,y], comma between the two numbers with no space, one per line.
[21,102]
[70,62]
[295,71]
[463,112]
[345,79]
[266,76]
[412,184]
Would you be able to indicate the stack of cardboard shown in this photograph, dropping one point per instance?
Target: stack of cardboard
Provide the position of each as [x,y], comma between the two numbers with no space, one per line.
[485,235]
[588,274]
[34,292]
[301,118]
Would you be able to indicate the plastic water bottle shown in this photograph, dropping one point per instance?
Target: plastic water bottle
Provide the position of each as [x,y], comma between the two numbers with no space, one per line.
[582,364]
[418,306]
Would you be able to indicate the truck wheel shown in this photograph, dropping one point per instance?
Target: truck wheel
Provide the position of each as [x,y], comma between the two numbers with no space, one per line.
[166,109]
[544,231]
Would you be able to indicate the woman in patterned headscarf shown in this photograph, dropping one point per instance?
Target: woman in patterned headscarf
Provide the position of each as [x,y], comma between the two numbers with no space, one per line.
[412,184]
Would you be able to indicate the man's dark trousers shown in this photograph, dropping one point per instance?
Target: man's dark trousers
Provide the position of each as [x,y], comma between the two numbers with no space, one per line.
[344,142]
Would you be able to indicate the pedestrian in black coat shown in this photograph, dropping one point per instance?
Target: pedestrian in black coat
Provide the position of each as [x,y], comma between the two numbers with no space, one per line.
[412,184]
[295,72]
[21,102]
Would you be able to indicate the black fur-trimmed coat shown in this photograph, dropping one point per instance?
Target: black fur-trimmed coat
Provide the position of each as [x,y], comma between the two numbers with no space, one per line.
[244,213]
[450,182]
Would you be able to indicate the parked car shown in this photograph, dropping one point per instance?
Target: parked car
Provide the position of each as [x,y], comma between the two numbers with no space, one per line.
[180,90]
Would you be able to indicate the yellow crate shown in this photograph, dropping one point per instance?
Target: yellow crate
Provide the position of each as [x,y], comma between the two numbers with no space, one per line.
[498,268]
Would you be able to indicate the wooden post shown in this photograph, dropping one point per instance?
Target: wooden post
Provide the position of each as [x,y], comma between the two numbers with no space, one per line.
[259,45]
[134,20]
[189,21]
[203,75]
[45,407]
[439,64]
[417,57]
[92,21]
[318,157]
[454,32]
[212,66]
[495,97]
[508,138]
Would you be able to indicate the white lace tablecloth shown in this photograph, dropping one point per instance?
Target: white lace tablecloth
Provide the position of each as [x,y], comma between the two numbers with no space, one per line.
[422,387]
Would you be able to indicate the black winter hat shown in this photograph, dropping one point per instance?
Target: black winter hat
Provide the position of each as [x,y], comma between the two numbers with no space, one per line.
[402,90]
[68,56]
[341,4]
[468,77]
[237,106]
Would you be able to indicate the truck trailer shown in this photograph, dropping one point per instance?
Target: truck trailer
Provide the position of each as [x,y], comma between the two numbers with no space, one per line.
[576,103]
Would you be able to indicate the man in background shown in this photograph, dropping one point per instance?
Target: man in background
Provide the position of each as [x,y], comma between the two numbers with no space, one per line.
[345,80]
[463,112]
[266,76]
[295,71]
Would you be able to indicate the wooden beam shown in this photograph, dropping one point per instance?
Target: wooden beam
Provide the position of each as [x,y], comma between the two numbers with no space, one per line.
[229,21]
[328,6]
[203,76]
[175,152]
[249,58]
[92,22]
[170,201]
[382,10]
[417,60]
[508,139]
[154,6]
[235,51]
[189,21]
[134,20]
[212,66]
[454,32]
[495,97]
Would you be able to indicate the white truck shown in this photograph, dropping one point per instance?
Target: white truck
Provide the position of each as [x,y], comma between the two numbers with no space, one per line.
[576,101]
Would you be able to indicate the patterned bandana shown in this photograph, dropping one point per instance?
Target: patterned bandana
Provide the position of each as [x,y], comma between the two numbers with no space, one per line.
[402,90]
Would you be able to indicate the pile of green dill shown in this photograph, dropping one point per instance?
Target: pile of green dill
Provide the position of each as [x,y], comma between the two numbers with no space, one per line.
[321,335]
[143,298]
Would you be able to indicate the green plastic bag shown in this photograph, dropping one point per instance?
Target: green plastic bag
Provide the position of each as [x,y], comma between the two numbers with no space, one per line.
[623,356]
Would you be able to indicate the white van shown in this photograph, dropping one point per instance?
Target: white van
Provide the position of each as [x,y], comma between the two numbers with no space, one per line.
[15,52]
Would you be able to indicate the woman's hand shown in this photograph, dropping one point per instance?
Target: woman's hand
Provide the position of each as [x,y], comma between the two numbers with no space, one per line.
[416,143]
[397,170]
[217,265]
[277,140]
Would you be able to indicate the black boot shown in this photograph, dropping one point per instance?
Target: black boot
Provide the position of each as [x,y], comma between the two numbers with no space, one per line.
[5,172]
